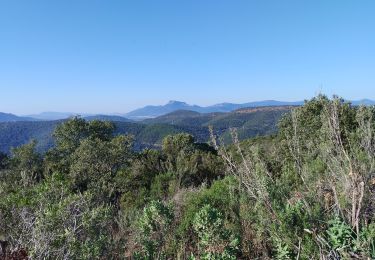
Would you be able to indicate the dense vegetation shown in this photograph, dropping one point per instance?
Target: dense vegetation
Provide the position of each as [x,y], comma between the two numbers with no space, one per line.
[262,119]
[305,193]
[150,133]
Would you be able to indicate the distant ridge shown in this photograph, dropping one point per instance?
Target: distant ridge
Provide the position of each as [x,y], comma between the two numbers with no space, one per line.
[107,118]
[366,102]
[5,117]
[148,112]
[155,111]
[252,120]
[53,115]
[172,106]
[149,133]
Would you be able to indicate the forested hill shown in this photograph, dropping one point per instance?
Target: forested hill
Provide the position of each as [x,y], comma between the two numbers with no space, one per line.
[14,134]
[249,121]
[149,133]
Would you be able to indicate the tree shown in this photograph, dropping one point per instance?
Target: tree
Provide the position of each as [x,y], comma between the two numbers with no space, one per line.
[26,164]
[193,163]
[68,137]
[95,162]
[69,134]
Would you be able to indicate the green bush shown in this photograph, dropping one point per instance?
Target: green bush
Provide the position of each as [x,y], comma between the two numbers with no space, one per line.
[214,240]
[154,225]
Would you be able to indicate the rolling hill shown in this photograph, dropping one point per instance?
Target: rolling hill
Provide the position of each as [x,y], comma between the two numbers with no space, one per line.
[183,117]
[154,111]
[6,117]
[250,122]
[150,112]
[14,134]
[149,133]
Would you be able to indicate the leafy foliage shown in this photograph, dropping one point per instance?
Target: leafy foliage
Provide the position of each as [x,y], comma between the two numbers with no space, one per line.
[154,224]
[214,240]
[304,192]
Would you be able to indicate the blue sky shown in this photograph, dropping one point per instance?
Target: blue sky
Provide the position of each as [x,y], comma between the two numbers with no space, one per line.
[113,56]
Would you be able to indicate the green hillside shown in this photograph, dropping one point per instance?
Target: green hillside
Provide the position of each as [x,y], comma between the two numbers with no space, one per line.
[149,133]
[14,134]
[183,118]
[250,122]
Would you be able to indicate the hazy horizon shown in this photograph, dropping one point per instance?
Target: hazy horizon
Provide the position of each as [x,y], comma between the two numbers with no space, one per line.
[162,104]
[147,104]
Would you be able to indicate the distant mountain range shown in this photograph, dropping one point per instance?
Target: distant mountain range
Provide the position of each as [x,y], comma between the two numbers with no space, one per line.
[52,116]
[172,106]
[148,112]
[255,119]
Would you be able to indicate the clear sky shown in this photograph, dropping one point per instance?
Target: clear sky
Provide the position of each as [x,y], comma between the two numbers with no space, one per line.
[113,56]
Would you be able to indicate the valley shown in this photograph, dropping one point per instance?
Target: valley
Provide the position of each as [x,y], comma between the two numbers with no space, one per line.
[149,133]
